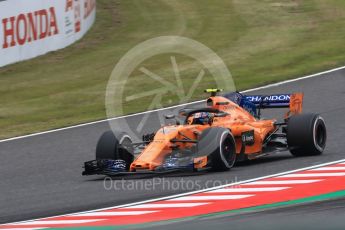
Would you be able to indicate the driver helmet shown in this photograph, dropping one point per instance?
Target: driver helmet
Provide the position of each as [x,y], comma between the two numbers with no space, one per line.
[202,118]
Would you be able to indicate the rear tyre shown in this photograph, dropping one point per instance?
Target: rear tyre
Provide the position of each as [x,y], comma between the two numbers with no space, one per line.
[306,135]
[115,146]
[218,144]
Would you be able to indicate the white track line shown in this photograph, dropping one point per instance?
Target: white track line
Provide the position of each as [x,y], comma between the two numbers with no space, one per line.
[119,213]
[329,169]
[262,189]
[282,182]
[314,175]
[167,205]
[220,197]
[57,222]
[246,182]
[171,107]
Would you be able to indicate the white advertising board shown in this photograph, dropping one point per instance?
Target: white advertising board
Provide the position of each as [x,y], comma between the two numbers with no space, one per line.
[29,28]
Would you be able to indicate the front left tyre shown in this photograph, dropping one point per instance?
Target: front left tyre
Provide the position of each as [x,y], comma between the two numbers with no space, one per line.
[218,144]
[115,146]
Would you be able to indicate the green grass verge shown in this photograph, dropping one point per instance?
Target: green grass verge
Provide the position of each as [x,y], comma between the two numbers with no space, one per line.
[260,41]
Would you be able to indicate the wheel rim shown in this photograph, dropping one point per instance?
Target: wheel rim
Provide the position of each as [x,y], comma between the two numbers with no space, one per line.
[227,151]
[320,135]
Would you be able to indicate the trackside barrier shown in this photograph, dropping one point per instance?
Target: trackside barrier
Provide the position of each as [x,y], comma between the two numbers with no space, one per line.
[29,28]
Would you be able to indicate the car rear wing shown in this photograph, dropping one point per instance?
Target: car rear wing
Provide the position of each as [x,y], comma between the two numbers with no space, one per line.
[254,103]
[292,101]
[269,101]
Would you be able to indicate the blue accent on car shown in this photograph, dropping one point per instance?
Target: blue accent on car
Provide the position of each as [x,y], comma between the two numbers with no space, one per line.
[242,101]
[177,163]
[252,102]
[249,106]
[270,101]
[114,165]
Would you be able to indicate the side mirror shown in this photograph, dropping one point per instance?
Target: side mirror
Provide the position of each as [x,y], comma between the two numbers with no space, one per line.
[172,116]
[169,116]
[182,113]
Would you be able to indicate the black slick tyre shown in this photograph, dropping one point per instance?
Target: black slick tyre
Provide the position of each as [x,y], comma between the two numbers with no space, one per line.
[115,146]
[306,134]
[218,144]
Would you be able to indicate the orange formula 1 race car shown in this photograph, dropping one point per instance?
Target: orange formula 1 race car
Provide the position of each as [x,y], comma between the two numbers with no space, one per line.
[226,130]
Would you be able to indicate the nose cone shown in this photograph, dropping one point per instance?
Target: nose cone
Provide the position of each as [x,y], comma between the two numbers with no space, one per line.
[142,165]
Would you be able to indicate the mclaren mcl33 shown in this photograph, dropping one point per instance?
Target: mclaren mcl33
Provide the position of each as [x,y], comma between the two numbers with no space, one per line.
[229,128]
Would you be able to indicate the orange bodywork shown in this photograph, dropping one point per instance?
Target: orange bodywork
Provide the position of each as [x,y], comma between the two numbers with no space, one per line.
[296,104]
[237,120]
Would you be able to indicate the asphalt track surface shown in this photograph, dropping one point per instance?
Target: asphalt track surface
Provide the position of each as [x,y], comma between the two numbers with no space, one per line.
[41,175]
